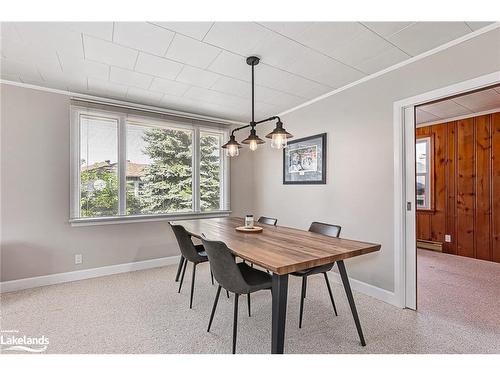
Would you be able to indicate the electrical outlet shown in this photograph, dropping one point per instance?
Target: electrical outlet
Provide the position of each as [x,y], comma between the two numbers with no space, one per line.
[78,259]
[447,238]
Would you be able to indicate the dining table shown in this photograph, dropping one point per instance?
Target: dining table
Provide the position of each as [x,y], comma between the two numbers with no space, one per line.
[282,250]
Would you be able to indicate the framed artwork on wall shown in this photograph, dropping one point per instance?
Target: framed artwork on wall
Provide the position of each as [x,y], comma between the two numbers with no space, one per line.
[304,161]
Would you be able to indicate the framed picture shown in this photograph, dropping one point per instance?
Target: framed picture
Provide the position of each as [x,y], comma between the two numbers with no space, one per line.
[304,161]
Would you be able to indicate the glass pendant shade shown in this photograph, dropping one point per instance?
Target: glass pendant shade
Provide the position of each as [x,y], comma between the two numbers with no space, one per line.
[253,141]
[279,136]
[232,148]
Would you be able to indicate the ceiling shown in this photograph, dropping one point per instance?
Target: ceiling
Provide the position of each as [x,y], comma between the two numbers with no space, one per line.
[479,101]
[200,67]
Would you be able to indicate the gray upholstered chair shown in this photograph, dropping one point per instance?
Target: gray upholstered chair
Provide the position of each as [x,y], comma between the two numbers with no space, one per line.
[328,230]
[189,253]
[267,220]
[238,278]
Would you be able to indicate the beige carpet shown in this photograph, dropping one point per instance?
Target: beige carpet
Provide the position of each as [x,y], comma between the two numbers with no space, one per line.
[141,312]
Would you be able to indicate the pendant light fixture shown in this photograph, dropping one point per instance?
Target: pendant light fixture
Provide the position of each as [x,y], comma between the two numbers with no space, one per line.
[279,136]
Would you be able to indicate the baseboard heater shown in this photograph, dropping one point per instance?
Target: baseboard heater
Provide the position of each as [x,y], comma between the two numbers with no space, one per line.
[430,245]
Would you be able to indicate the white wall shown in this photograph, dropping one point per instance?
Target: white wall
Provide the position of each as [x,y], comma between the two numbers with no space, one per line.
[359,123]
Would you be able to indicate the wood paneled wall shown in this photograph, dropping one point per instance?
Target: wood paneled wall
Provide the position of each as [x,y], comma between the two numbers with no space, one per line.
[465,187]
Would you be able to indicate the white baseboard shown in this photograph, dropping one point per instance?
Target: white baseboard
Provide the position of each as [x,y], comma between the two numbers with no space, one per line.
[368,289]
[58,278]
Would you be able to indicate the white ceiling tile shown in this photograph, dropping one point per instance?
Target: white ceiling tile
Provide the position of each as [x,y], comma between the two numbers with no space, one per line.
[445,109]
[274,78]
[219,98]
[231,65]
[130,78]
[192,52]
[239,37]
[169,87]
[478,25]
[480,100]
[292,30]
[103,30]
[28,72]
[52,36]
[387,28]
[233,86]
[84,67]
[69,81]
[106,88]
[157,66]
[197,77]
[423,36]
[195,30]
[387,58]
[30,53]
[10,77]
[143,36]
[143,96]
[423,117]
[109,53]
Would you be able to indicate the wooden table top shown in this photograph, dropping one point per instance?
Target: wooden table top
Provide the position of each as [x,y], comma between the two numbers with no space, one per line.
[279,249]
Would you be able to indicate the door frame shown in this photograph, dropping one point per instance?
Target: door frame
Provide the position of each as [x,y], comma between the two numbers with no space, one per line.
[405,262]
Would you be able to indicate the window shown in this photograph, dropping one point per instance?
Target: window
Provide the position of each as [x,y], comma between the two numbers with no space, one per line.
[423,169]
[130,166]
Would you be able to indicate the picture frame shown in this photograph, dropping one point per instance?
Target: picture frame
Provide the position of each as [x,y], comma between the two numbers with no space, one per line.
[304,161]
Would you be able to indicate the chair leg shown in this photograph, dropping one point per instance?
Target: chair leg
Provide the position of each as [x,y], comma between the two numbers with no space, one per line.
[179,269]
[214,307]
[302,297]
[330,292]
[235,321]
[212,277]
[192,287]
[248,300]
[182,276]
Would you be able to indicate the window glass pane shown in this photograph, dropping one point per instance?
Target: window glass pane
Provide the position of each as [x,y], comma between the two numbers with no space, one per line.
[421,156]
[98,167]
[210,171]
[159,169]
[421,190]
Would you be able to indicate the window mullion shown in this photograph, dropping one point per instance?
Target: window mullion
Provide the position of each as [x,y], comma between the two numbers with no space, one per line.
[196,170]
[122,165]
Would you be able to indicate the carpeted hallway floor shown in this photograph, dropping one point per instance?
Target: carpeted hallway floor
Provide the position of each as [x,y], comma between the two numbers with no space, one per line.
[141,312]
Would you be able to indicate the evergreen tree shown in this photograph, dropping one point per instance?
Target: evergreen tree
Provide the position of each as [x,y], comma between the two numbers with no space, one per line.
[167,183]
[209,172]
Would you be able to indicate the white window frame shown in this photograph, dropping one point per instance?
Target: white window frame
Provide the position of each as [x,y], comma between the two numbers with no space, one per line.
[123,118]
[427,174]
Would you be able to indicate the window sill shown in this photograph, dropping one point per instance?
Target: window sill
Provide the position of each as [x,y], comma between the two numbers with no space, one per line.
[88,221]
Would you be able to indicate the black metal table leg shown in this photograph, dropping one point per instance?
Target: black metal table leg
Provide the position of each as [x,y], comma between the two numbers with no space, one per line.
[279,295]
[348,292]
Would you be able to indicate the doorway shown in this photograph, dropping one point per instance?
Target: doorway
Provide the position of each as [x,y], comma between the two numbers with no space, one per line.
[457,186]
[405,173]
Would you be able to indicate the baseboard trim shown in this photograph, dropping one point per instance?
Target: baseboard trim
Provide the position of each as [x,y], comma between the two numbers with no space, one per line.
[58,278]
[368,289]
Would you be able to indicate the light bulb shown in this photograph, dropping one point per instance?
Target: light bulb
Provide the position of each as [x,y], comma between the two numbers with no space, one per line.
[253,145]
[232,150]
[278,141]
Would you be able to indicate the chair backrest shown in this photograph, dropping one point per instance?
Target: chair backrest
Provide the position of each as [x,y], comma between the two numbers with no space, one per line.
[326,229]
[224,267]
[186,245]
[267,220]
